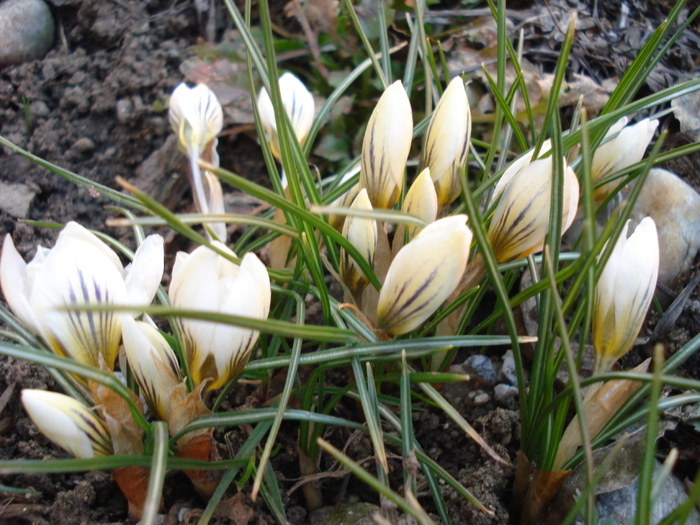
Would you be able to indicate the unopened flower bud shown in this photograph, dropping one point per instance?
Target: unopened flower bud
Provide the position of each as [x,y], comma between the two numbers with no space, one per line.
[386,146]
[362,234]
[623,293]
[68,423]
[299,105]
[620,152]
[447,142]
[424,274]
[521,219]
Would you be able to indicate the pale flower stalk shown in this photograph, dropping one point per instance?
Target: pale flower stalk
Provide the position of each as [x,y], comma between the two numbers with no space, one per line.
[424,274]
[385,147]
[197,118]
[447,142]
[67,423]
[299,105]
[80,270]
[623,293]
[362,234]
[620,152]
[521,219]
[204,280]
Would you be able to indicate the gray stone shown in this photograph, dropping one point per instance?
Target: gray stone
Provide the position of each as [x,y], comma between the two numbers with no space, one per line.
[505,394]
[26,31]
[675,207]
[16,199]
[508,369]
[481,366]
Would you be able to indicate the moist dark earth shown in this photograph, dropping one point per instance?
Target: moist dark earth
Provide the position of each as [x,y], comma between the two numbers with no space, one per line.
[95,105]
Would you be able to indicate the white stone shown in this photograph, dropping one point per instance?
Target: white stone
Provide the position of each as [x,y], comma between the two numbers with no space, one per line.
[675,207]
[26,31]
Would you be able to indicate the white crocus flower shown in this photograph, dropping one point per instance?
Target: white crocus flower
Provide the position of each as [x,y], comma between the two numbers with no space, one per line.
[424,274]
[153,363]
[620,152]
[624,292]
[447,142]
[80,270]
[521,219]
[204,280]
[385,147]
[196,117]
[362,234]
[68,423]
[299,105]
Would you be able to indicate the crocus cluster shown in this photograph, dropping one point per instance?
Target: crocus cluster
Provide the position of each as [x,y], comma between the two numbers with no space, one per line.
[50,294]
[423,265]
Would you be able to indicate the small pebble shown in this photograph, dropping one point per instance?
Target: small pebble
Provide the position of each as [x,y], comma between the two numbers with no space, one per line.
[504,394]
[481,366]
[508,369]
[125,110]
[38,108]
[26,31]
[84,145]
[481,399]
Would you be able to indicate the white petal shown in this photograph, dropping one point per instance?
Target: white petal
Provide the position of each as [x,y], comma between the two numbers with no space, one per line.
[146,271]
[15,285]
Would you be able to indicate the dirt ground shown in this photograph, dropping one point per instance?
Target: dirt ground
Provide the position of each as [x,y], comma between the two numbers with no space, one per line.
[94,105]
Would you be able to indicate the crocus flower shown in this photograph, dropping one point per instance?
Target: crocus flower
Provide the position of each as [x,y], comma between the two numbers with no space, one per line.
[197,118]
[423,274]
[204,280]
[153,364]
[516,166]
[68,423]
[447,142]
[386,146]
[362,234]
[624,292]
[299,105]
[620,152]
[521,219]
[79,270]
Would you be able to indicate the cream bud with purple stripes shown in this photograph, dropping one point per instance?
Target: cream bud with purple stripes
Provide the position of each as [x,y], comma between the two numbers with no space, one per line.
[68,423]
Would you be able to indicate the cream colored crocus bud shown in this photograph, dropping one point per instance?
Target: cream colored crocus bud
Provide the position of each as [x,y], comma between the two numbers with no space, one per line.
[153,364]
[516,166]
[447,142]
[68,423]
[422,202]
[385,147]
[623,293]
[423,274]
[362,234]
[620,152]
[80,270]
[299,105]
[196,118]
[521,219]
[204,280]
